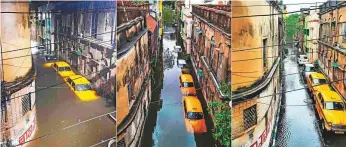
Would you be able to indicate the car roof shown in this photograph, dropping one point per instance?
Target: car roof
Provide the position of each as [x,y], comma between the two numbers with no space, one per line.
[180,61]
[186,78]
[62,63]
[317,75]
[193,104]
[331,96]
[310,65]
[78,79]
[302,55]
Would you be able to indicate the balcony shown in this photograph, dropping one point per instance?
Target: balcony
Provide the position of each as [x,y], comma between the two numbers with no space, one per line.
[217,16]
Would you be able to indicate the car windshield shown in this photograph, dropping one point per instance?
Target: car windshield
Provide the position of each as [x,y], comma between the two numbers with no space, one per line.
[194,115]
[309,69]
[188,84]
[64,69]
[50,58]
[319,81]
[334,106]
[83,87]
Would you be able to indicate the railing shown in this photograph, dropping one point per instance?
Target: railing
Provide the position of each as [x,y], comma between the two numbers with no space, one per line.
[219,16]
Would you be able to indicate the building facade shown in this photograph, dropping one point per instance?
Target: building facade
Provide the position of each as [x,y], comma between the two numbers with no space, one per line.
[255,61]
[84,38]
[133,72]
[18,109]
[332,44]
[311,39]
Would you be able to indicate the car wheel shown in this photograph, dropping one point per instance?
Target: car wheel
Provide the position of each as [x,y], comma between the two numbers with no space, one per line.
[323,128]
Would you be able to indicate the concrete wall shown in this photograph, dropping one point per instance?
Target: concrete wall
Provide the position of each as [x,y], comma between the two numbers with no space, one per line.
[132,71]
[17,125]
[15,34]
[313,26]
[251,34]
[332,47]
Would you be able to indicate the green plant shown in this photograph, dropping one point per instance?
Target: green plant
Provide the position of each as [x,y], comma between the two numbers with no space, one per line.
[226,88]
[222,131]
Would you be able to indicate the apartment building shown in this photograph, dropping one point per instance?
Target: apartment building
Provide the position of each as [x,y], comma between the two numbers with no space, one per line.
[332,43]
[312,34]
[256,56]
[18,109]
[133,71]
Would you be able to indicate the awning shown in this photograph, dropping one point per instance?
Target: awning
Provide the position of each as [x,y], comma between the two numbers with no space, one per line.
[78,52]
[151,23]
[335,64]
[212,42]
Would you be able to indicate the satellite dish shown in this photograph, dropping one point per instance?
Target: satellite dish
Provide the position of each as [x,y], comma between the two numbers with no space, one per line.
[230,104]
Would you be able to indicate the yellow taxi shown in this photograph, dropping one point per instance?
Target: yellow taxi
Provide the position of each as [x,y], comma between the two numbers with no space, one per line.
[331,111]
[82,87]
[193,112]
[49,60]
[187,86]
[317,82]
[63,69]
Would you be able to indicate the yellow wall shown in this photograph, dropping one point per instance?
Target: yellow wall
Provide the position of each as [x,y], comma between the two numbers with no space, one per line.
[248,32]
[15,34]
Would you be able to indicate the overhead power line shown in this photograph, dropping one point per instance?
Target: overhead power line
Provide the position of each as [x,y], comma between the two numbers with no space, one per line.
[84,37]
[261,47]
[65,128]
[278,4]
[308,9]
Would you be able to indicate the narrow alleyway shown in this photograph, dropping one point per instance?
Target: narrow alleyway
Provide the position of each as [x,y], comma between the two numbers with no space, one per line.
[58,107]
[165,127]
[298,124]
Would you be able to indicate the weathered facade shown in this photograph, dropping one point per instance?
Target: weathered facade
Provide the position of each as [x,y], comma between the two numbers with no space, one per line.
[18,109]
[311,39]
[332,43]
[211,46]
[133,72]
[83,37]
[255,61]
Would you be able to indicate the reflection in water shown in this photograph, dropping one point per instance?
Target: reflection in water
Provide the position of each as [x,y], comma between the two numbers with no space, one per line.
[165,124]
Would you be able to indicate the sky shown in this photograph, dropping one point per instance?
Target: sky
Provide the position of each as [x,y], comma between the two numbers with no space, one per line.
[291,8]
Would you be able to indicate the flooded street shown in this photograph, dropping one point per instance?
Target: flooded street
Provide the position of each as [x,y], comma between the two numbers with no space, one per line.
[298,124]
[165,126]
[58,107]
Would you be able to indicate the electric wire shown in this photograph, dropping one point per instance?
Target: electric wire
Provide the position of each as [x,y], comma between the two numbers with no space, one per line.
[281,13]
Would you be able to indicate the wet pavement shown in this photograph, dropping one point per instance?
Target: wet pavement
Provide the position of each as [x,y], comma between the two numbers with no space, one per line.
[298,122]
[165,125]
[58,107]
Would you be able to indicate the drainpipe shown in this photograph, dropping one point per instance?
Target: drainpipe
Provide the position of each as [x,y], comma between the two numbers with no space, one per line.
[222,95]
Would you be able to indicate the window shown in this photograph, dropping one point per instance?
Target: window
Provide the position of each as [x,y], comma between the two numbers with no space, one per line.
[319,81]
[26,103]
[187,84]
[195,115]
[334,106]
[345,78]
[83,87]
[264,53]
[64,69]
[129,92]
[344,30]
[250,117]
[310,69]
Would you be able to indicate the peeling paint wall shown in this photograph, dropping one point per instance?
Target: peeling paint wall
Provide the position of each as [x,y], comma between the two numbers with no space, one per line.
[15,34]
[249,32]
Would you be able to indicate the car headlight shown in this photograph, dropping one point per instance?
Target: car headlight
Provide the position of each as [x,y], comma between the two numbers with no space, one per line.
[330,124]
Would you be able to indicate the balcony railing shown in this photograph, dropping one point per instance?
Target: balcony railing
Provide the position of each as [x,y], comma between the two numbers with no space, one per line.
[219,16]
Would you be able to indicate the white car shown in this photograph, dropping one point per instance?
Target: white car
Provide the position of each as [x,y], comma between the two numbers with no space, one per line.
[307,69]
[303,59]
[177,49]
[181,63]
